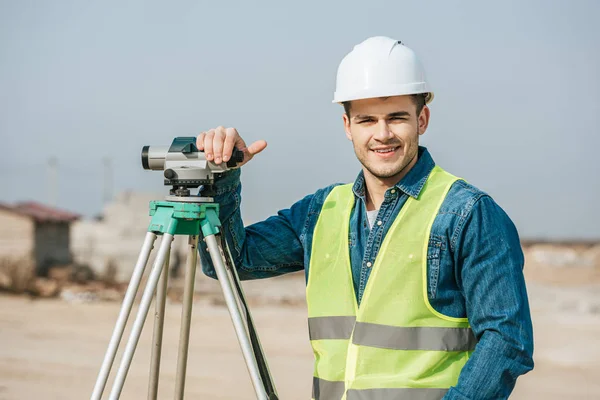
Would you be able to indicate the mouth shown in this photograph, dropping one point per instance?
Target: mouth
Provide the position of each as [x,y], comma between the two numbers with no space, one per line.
[385,152]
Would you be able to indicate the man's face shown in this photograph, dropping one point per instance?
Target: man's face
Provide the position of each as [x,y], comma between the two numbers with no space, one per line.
[385,134]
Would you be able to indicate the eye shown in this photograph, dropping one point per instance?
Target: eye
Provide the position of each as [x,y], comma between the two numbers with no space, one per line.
[364,121]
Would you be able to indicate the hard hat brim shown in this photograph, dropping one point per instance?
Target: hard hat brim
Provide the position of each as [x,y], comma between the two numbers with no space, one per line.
[371,93]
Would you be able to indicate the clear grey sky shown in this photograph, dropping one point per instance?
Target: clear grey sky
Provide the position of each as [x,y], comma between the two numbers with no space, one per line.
[516,112]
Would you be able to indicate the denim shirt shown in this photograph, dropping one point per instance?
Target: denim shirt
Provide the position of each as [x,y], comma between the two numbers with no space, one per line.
[474,264]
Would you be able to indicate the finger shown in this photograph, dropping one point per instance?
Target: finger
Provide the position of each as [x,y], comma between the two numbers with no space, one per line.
[200,141]
[208,144]
[257,147]
[231,138]
[218,141]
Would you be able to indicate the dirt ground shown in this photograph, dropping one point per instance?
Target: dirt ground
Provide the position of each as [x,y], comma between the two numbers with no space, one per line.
[52,349]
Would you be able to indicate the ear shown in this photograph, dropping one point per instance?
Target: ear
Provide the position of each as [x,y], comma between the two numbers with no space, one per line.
[423,120]
[347,126]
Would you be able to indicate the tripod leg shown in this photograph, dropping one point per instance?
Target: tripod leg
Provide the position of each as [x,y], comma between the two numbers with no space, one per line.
[159,322]
[117,334]
[259,355]
[186,316]
[236,316]
[138,324]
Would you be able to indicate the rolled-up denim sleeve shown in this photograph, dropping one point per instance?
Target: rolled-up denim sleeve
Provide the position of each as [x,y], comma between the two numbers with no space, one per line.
[489,266]
[264,249]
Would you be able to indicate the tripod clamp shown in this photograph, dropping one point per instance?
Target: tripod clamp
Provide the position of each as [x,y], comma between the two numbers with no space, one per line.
[191,216]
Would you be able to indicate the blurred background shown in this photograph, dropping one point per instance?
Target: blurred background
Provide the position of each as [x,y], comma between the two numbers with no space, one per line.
[84,85]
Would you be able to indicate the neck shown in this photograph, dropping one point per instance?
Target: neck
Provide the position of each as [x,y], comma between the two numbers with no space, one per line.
[376,186]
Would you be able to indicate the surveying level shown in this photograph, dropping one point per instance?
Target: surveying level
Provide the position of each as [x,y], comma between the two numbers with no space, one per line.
[196,216]
[185,166]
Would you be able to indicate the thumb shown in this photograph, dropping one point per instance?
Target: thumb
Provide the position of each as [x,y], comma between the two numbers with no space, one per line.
[257,147]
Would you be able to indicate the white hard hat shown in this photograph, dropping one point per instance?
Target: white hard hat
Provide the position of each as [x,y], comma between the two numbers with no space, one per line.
[380,67]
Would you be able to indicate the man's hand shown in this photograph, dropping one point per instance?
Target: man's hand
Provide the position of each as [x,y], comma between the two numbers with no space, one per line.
[218,145]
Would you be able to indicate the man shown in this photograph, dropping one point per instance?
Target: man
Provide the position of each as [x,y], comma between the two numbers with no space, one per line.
[414,277]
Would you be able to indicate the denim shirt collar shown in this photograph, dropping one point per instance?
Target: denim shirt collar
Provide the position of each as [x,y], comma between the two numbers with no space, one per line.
[411,184]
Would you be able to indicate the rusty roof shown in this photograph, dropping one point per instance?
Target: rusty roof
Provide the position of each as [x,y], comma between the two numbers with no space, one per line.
[40,212]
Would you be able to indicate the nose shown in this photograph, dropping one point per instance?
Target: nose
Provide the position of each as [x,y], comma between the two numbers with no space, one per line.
[383,130]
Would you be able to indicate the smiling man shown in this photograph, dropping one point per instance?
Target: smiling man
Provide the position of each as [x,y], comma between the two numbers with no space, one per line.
[414,277]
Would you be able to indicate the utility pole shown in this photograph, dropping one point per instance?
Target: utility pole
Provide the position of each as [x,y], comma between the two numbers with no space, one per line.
[108,180]
[52,181]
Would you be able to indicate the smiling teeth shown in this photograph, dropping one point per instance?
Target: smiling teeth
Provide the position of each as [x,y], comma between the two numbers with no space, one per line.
[384,151]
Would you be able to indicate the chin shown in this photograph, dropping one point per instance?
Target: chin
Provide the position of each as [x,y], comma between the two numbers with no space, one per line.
[385,173]
[387,169]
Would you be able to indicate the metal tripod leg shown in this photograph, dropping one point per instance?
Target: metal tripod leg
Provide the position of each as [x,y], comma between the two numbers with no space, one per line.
[186,316]
[159,322]
[259,355]
[236,316]
[117,334]
[141,315]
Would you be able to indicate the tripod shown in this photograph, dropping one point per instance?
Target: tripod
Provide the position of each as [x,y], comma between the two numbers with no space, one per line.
[185,215]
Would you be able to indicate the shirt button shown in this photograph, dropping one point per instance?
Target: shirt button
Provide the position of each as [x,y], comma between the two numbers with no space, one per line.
[393,191]
[379,222]
[369,264]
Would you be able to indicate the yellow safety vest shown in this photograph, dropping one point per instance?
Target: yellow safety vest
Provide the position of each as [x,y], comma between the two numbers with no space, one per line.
[395,345]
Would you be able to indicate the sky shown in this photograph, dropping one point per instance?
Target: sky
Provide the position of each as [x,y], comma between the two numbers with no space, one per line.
[516,109]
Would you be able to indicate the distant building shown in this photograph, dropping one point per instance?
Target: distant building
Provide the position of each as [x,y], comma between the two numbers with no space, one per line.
[34,232]
[115,240]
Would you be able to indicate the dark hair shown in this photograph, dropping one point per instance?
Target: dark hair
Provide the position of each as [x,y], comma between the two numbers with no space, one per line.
[418,100]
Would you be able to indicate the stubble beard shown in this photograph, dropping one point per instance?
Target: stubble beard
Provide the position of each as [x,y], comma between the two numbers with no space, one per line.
[388,171]
[391,171]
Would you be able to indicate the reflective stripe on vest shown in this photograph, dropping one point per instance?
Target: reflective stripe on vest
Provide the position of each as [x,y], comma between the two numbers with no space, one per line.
[396,393]
[323,389]
[395,345]
[392,337]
